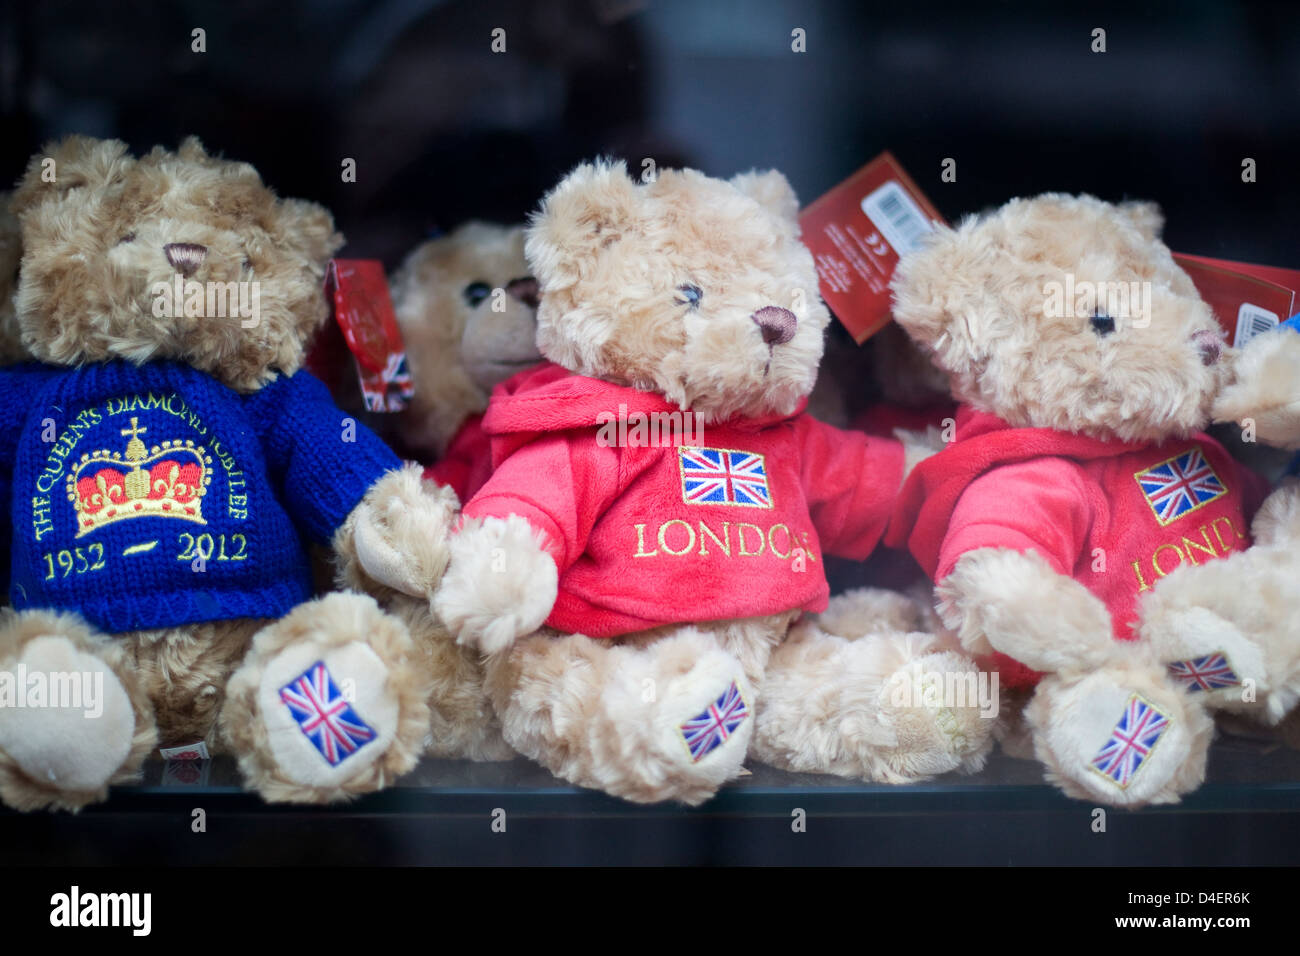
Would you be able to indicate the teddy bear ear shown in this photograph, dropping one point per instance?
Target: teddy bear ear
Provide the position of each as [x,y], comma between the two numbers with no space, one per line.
[592,208]
[941,300]
[1146,216]
[309,228]
[72,163]
[771,190]
[191,149]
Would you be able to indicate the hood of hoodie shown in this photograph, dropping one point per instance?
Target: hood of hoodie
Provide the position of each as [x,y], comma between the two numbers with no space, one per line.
[550,398]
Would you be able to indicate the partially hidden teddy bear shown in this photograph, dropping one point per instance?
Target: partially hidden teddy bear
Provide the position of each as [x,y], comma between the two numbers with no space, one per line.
[1080,482]
[467,308]
[163,464]
[660,506]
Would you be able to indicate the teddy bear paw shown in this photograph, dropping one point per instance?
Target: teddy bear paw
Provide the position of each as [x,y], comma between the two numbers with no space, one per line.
[1265,394]
[399,534]
[328,704]
[942,711]
[501,583]
[68,726]
[1124,738]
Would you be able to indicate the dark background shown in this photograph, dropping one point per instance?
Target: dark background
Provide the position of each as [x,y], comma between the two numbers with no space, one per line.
[443,129]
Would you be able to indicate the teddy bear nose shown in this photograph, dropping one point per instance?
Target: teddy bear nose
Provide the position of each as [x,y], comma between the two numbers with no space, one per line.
[1210,345]
[185,257]
[777,325]
[525,290]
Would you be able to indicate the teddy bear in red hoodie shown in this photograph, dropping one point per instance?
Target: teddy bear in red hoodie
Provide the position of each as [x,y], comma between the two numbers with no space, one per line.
[660,506]
[1079,479]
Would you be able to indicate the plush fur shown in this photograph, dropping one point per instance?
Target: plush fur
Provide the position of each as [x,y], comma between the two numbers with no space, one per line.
[461,342]
[655,286]
[94,242]
[978,299]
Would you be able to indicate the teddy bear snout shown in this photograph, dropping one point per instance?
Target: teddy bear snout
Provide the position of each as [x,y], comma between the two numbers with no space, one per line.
[1210,344]
[185,257]
[777,325]
[525,290]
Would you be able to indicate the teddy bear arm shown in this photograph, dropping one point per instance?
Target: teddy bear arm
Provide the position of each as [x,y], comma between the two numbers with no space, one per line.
[851,481]
[396,537]
[1016,603]
[1266,390]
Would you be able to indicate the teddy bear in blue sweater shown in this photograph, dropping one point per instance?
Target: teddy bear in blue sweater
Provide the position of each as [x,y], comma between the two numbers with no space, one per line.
[165,467]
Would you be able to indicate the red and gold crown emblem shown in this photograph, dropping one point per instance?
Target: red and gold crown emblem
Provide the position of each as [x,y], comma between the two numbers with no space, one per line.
[165,481]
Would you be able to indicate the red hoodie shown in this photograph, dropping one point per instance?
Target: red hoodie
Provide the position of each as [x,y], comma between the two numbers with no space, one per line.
[468,461]
[1114,516]
[727,521]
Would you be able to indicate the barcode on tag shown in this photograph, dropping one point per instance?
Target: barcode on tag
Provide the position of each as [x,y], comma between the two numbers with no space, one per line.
[897,216]
[1253,321]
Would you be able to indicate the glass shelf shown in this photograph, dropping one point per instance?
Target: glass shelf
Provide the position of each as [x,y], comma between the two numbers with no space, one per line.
[443,812]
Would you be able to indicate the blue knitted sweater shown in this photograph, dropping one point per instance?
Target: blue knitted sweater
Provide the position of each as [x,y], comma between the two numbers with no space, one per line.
[152,496]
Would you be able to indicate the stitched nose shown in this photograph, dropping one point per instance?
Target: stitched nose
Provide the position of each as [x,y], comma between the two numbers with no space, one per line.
[777,325]
[1210,345]
[185,257]
[525,290]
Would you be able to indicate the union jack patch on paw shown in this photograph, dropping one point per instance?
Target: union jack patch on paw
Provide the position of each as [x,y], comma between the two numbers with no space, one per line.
[1211,672]
[709,730]
[1130,745]
[324,715]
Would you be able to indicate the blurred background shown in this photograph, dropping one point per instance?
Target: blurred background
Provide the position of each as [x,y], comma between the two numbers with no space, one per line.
[442,128]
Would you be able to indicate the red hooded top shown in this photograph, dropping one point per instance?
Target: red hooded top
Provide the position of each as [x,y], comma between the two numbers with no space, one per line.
[1114,516]
[708,522]
[468,461]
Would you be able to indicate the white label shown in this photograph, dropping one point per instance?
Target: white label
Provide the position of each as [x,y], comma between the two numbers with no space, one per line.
[198,751]
[1253,321]
[897,216]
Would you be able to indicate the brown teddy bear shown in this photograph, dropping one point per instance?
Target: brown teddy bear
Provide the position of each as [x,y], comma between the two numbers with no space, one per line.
[162,471]
[467,308]
[1079,477]
[660,508]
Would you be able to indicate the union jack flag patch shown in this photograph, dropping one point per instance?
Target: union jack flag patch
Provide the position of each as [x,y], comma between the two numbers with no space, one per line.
[719,476]
[1211,672]
[1131,742]
[328,720]
[1180,485]
[709,730]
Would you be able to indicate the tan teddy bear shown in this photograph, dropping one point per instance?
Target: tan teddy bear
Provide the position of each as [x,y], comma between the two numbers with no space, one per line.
[661,504]
[467,308]
[161,473]
[1079,477]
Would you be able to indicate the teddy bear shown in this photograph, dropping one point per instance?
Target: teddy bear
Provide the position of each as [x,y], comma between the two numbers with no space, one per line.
[164,463]
[467,308]
[1079,476]
[660,506]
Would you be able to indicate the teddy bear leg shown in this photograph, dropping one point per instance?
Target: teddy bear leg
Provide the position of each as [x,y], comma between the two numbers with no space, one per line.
[329,703]
[1226,630]
[74,718]
[662,716]
[462,723]
[1123,735]
[887,706]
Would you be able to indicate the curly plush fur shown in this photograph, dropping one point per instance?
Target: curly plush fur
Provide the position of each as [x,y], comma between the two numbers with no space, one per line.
[11,250]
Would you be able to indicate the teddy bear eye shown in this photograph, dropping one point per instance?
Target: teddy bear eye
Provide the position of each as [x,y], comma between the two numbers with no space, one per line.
[476,292]
[1102,324]
[690,295]
[129,237]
